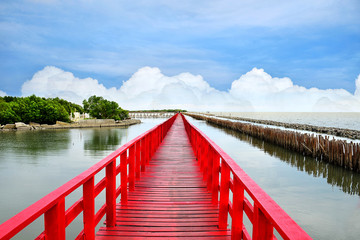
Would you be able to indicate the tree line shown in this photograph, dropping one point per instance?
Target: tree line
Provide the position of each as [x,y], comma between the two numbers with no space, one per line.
[49,110]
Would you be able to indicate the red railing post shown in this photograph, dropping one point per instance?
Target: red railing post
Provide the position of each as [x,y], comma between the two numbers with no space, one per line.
[210,159]
[143,154]
[89,209]
[199,150]
[150,141]
[55,221]
[124,177]
[154,142]
[132,168]
[197,147]
[110,172]
[238,209]
[215,178]
[262,228]
[161,133]
[205,159]
[146,148]
[137,160]
[202,153]
[224,195]
[157,137]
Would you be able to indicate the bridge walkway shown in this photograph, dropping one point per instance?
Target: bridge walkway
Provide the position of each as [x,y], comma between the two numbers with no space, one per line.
[170,201]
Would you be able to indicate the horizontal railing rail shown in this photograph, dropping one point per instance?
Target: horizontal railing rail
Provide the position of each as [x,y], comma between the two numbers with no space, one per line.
[223,175]
[133,155]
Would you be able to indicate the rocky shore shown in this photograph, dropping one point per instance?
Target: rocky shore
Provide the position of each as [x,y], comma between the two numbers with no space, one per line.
[19,126]
[340,132]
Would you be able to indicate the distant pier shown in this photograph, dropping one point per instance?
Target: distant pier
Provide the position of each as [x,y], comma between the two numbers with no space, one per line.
[151,114]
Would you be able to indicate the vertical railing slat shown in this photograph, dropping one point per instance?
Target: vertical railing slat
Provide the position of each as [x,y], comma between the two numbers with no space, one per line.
[89,209]
[147,148]
[124,177]
[224,195]
[205,160]
[210,159]
[110,172]
[143,161]
[137,160]
[215,179]
[55,221]
[132,167]
[262,228]
[238,206]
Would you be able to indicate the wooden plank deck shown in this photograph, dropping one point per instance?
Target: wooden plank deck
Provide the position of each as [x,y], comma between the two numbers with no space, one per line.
[170,201]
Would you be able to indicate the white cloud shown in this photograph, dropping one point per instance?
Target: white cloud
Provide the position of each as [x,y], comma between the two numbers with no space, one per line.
[2,94]
[55,82]
[149,88]
[280,94]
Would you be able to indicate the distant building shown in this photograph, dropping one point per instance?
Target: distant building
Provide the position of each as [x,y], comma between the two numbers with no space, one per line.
[76,116]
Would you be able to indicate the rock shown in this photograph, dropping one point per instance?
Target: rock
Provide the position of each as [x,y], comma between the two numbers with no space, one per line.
[34,124]
[62,123]
[9,126]
[23,128]
[36,127]
[19,124]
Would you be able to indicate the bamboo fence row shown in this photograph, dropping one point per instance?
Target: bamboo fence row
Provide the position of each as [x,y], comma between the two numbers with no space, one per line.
[338,152]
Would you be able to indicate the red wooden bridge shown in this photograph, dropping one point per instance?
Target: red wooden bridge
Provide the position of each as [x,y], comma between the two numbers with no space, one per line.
[175,183]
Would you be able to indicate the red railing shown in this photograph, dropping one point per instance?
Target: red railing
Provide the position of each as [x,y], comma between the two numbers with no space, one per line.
[265,214]
[133,157]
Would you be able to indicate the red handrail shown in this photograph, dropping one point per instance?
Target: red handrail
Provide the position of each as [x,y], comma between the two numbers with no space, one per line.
[265,214]
[133,158]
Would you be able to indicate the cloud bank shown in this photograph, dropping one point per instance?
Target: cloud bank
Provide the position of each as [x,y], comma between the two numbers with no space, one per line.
[149,88]
[2,94]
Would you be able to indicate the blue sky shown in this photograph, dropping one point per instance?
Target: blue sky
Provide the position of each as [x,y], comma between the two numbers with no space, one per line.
[316,43]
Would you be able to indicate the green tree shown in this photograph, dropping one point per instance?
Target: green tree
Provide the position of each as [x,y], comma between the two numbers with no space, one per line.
[101,108]
[7,115]
[69,106]
[34,109]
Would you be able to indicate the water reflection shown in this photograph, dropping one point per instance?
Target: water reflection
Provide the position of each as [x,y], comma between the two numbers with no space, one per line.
[347,181]
[104,139]
[34,143]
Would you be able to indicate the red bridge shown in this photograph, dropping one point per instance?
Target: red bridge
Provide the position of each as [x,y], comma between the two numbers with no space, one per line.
[175,183]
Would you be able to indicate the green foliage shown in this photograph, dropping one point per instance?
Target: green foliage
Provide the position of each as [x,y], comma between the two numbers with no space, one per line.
[7,115]
[69,106]
[101,108]
[35,109]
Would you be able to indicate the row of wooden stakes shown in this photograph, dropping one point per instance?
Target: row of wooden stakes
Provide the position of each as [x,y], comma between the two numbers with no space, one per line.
[335,151]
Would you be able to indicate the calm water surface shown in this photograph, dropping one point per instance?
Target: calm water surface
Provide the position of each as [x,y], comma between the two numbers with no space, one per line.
[322,198]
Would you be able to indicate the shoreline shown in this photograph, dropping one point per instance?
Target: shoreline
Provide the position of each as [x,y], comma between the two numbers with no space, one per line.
[91,123]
